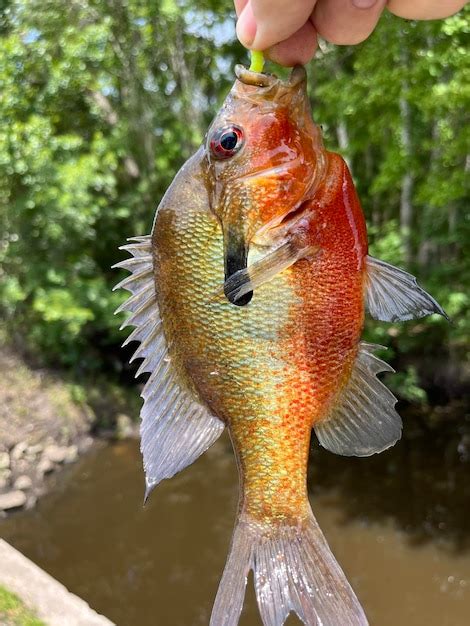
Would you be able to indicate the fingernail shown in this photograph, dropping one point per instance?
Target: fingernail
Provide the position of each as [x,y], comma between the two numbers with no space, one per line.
[246,26]
[364,4]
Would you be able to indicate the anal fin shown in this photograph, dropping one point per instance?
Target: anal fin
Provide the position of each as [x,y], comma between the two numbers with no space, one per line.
[362,420]
[393,295]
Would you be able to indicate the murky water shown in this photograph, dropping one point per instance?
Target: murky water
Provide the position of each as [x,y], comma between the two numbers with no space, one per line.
[399,524]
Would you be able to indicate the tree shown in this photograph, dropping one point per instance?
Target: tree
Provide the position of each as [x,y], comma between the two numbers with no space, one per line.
[101,101]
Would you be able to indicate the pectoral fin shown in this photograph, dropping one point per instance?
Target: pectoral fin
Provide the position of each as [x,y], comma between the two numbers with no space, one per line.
[362,420]
[264,270]
[393,295]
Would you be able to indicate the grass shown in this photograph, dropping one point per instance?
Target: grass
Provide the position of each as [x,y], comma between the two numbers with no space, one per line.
[14,613]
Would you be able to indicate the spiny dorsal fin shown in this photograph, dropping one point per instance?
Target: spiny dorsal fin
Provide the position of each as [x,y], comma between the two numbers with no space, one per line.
[393,295]
[362,420]
[176,429]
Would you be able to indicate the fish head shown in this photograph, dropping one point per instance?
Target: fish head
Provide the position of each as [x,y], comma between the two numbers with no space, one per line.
[265,158]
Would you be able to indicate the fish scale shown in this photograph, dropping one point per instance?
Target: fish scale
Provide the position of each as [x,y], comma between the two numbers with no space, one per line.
[253,378]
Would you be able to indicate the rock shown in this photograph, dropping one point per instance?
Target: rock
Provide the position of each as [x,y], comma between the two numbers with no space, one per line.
[55,454]
[35,450]
[85,444]
[4,460]
[23,483]
[5,479]
[12,500]
[31,502]
[71,455]
[22,466]
[45,466]
[18,450]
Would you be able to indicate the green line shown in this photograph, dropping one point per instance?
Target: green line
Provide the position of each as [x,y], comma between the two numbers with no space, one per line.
[257,61]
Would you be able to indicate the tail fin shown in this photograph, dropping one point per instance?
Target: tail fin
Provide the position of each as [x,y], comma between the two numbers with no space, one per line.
[294,570]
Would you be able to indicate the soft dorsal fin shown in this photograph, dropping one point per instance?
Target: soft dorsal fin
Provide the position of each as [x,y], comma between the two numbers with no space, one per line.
[362,420]
[393,295]
[176,428]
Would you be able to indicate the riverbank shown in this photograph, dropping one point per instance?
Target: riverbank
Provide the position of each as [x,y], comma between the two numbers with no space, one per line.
[47,422]
[403,512]
[36,594]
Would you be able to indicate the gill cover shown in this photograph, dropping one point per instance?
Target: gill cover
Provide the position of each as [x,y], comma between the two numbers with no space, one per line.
[264,158]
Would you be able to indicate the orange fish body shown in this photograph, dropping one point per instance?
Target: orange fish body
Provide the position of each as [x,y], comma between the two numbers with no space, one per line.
[248,301]
[318,343]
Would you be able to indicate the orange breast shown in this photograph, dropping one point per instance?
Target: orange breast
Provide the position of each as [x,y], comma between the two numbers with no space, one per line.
[319,345]
[322,334]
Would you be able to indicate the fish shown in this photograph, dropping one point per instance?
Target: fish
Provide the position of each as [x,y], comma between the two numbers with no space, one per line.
[248,301]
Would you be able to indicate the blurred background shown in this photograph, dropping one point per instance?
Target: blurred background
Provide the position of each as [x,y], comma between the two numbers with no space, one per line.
[101,101]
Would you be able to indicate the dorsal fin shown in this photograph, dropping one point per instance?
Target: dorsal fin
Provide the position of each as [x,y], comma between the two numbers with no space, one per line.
[176,428]
[362,420]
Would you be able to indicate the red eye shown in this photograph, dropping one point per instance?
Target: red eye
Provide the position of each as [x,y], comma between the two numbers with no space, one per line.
[226,141]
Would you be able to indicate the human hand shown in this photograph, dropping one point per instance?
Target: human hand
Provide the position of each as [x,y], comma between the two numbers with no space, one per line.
[288,29]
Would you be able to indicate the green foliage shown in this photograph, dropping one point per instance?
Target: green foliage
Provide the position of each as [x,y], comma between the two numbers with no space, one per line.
[405,384]
[102,101]
[396,106]
[14,613]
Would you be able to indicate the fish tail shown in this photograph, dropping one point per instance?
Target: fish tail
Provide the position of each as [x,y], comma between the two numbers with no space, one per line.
[294,570]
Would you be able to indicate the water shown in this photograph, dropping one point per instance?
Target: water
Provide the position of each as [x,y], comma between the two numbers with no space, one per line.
[398,523]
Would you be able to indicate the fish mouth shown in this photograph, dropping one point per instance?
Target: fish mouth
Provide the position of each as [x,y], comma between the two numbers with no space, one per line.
[271,86]
[235,259]
[260,79]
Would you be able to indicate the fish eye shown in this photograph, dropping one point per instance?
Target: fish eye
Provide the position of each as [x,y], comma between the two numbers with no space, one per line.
[226,141]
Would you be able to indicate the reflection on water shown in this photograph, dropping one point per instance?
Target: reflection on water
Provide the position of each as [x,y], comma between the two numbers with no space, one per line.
[422,484]
[398,524]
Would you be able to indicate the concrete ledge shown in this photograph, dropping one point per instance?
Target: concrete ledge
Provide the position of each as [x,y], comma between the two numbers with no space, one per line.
[48,598]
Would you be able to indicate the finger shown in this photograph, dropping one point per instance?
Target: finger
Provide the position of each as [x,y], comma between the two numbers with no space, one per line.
[263,23]
[346,21]
[246,27]
[425,9]
[239,6]
[298,48]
